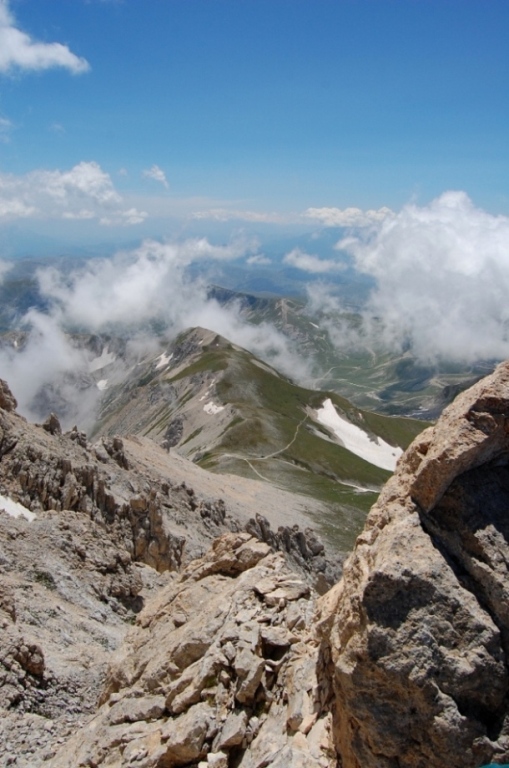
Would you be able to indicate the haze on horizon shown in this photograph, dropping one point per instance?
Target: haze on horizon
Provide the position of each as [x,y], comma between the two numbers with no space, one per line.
[364,137]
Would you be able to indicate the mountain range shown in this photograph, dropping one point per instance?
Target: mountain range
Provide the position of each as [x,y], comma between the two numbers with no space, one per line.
[235,567]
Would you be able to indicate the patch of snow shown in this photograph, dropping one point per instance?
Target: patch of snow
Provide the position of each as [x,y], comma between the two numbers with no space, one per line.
[102,384]
[207,391]
[163,361]
[15,509]
[106,358]
[358,488]
[376,451]
[212,409]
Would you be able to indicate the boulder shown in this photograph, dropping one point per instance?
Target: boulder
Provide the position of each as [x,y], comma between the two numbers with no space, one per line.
[417,631]
[7,400]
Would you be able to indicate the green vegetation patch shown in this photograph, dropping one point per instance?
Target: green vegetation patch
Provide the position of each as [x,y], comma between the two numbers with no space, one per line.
[45,578]
[209,361]
[192,436]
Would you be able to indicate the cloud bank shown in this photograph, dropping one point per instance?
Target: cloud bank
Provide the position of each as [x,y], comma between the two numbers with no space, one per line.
[229,214]
[19,51]
[348,217]
[307,262]
[85,191]
[126,295]
[442,274]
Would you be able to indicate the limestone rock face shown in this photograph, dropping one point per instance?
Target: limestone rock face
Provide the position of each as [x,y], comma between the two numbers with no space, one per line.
[7,400]
[405,664]
[215,672]
[417,631]
[87,534]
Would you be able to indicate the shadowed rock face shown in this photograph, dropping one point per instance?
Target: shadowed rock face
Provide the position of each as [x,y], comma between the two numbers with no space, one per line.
[418,629]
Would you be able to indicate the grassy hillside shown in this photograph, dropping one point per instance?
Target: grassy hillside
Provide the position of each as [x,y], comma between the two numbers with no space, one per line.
[232,413]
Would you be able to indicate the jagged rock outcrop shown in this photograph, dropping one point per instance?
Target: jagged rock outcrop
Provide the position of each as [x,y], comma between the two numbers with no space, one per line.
[405,664]
[7,400]
[151,519]
[88,533]
[221,669]
[304,549]
[418,629]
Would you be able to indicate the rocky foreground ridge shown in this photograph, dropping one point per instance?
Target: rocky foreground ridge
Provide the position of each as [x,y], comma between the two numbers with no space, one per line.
[99,529]
[418,627]
[233,659]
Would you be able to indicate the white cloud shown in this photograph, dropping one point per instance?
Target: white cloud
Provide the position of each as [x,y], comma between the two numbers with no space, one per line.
[134,286]
[83,192]
[86,180]
[15,209]
[18,50]
[324,304]
[259,258]
[200,248]
[348,217]
[127,292]
[57,128]
[157,174]
[309,263]
[79,215]
[442,274]
[124,218]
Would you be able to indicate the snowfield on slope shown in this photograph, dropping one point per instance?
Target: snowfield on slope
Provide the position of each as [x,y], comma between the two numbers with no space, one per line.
[15,509]
[212,409]
[163,361]
[375,450]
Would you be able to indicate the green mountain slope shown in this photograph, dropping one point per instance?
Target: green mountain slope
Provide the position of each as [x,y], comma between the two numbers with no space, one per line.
[344,359]
[218,405]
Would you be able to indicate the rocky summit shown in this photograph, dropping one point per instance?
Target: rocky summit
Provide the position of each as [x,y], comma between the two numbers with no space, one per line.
[147,621]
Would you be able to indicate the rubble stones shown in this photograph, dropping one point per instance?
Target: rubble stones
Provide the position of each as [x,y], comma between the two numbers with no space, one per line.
[52,425]
[303,548]
[224,675]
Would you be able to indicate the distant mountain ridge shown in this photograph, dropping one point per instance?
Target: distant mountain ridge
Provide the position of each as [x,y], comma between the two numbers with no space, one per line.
[370,374]
[217,404]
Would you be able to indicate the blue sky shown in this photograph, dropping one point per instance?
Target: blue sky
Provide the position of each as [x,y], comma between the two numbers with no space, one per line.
[308,143]
[147,114]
